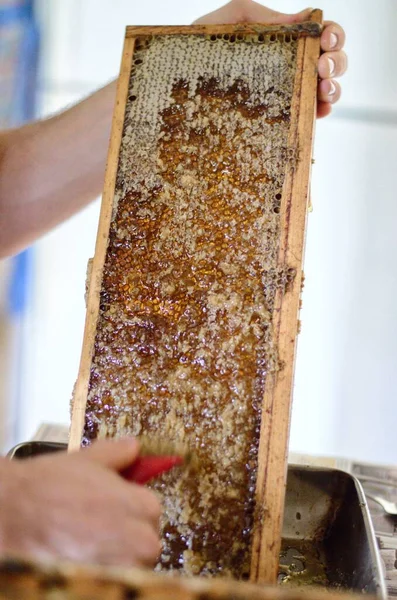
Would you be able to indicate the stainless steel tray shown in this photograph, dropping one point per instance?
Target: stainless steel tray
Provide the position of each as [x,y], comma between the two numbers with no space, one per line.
[328,538]
[31,449]
[328,531]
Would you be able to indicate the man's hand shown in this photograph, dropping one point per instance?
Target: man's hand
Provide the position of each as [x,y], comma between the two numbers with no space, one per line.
[51,169]
[77,507]
[332,63]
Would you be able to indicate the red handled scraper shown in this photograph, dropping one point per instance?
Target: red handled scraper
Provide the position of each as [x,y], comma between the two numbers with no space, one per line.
[146,468]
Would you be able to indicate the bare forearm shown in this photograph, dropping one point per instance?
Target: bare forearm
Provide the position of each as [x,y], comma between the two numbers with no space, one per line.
[51,169]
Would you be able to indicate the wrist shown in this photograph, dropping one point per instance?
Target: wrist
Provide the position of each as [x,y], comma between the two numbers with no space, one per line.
[4,482]
[10,490]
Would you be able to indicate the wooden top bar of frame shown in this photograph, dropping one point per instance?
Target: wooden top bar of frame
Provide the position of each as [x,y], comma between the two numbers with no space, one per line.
[304,29]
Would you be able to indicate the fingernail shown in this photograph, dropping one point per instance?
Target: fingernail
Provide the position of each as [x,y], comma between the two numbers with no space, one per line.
[332,88]
[331,66]
[333,40]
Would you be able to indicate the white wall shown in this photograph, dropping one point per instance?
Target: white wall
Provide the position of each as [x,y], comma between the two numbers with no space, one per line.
[346,370]
[345,399]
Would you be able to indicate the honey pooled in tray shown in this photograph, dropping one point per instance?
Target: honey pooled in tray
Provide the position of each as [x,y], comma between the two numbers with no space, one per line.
[184,336]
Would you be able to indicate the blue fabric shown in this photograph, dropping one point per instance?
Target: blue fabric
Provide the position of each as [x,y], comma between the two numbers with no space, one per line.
[25,89]
[16,12]
[20,279]
[19,48]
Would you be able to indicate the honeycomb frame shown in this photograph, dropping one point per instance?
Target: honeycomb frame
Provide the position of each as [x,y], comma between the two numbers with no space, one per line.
[273,440]
[28,580]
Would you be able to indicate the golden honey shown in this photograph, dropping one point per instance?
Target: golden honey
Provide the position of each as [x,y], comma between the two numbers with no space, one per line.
[184,337]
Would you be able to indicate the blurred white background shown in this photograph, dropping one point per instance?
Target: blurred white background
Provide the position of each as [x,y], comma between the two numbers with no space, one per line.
[345,400]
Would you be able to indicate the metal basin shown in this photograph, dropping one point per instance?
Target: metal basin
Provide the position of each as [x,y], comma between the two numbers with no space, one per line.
[31,449]
[328,538]
[327,533]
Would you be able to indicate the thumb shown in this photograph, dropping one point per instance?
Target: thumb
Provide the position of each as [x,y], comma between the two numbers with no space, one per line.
[256,13]
[248,11]
[113,454]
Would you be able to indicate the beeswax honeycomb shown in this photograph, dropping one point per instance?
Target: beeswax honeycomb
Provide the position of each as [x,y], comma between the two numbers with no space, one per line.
[183,342]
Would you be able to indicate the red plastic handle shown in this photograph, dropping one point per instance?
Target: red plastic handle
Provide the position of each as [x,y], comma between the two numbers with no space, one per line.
[146,468]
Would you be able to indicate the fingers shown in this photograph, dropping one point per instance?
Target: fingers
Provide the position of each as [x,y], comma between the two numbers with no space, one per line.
[145,545]
[332,64]
[83,509]
[117,455]
[137,546]
[113,454]
[143,504]
[329,91]
[323,109]
[333,37]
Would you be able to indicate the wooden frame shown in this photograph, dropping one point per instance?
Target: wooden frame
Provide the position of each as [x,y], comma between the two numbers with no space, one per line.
[274,436]
[272,458]
[36,581]
[95,278]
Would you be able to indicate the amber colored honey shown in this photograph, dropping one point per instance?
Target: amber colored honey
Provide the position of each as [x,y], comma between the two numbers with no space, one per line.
[184,338]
